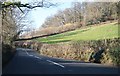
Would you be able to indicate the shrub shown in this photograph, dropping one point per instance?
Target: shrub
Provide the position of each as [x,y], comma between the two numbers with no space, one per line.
[106,59]
[101,51]
[115,55]
[7,53]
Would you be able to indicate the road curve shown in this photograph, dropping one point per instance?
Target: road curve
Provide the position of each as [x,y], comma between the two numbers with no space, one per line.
[27,61]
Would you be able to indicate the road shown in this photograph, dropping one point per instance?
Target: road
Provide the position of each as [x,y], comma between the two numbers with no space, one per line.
[27,61]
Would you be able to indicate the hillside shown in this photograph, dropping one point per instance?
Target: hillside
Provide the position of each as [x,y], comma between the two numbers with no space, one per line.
[102,31]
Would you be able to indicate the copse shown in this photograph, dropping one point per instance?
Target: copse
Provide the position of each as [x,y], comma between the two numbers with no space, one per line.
[87,13]
[10,9]
[12,15]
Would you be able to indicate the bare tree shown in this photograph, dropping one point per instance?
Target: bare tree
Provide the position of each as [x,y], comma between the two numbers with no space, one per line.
[118,11]
[42,3]
[16,11]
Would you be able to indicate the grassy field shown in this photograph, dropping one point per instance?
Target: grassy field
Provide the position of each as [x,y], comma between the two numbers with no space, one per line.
[104,31]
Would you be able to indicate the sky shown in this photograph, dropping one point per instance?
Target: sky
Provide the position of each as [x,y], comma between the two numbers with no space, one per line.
[38,15]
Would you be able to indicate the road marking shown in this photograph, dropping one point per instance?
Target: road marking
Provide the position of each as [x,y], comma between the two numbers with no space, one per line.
[37,57]
[26,52]
[31,55]
[56,63]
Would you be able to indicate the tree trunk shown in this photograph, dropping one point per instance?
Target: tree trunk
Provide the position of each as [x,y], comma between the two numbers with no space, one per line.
[118,9]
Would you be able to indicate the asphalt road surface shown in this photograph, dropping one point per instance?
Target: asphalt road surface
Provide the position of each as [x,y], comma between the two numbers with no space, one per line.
[27,61]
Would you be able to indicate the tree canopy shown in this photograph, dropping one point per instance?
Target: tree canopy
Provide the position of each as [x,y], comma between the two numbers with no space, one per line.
[12,17]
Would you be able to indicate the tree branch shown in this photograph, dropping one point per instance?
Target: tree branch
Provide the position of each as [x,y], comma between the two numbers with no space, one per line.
[18,4]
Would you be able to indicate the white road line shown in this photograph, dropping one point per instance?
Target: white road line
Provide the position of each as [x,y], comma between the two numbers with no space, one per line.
[37,57]
[31,55]
[56,63]
[26,52]
[46,60]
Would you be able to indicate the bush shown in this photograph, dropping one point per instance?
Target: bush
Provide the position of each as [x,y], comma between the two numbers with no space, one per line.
[99,51]
[7,53]
[106,59]
[115,55]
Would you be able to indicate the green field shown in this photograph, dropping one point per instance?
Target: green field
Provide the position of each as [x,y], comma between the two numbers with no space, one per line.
[105,31]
